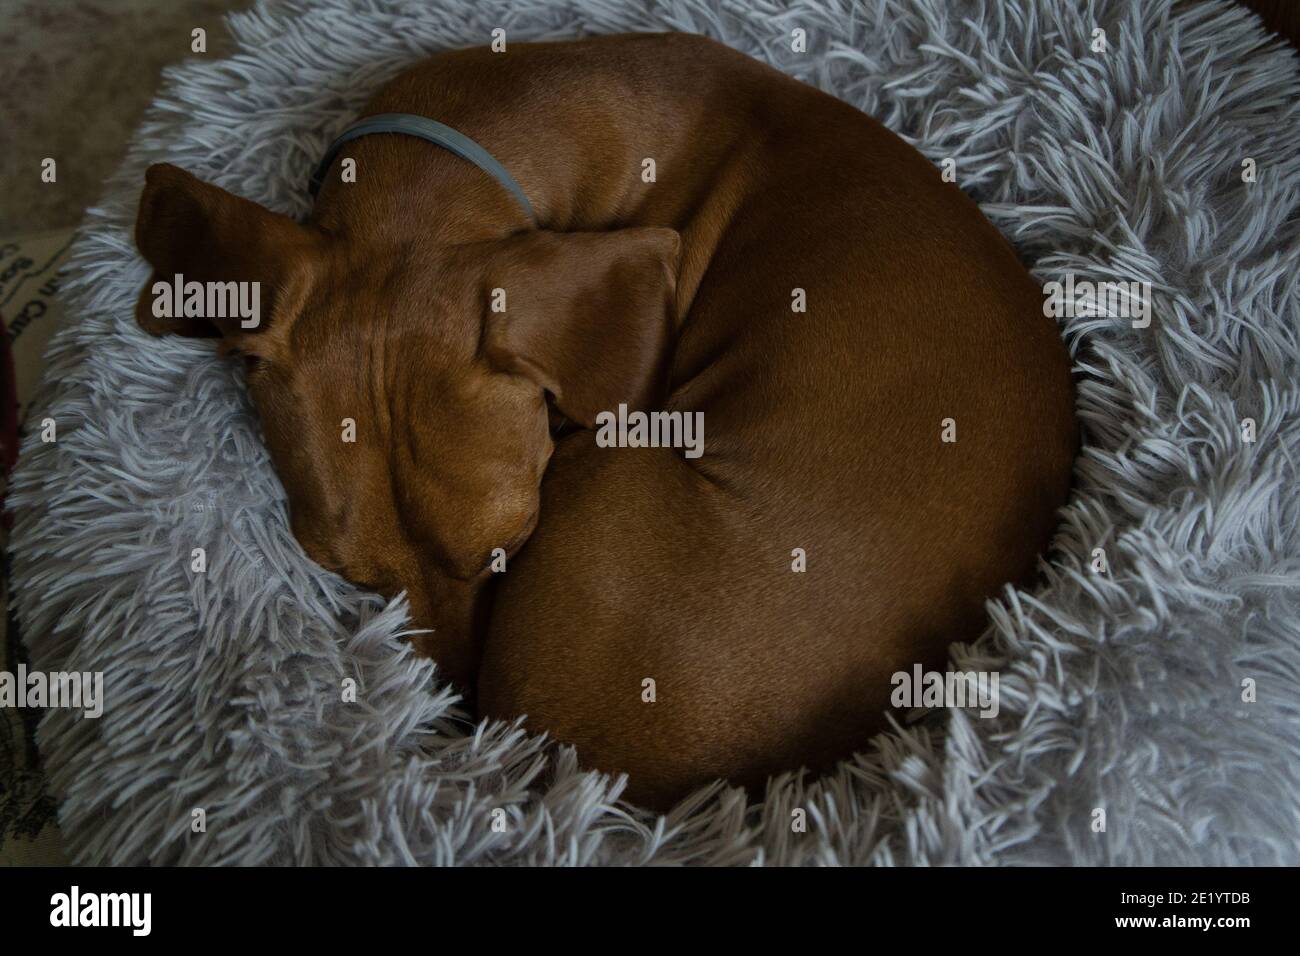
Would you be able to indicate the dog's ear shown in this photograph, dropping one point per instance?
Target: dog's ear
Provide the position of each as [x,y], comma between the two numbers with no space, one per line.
[196,230]
[589,317]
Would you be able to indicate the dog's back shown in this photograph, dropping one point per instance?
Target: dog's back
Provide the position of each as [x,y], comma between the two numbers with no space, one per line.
[888,432]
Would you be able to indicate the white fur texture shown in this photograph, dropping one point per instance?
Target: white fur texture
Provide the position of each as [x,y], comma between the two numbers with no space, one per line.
[1120,691]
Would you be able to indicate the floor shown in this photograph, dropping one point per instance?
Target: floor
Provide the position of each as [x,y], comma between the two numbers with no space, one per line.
[77,77]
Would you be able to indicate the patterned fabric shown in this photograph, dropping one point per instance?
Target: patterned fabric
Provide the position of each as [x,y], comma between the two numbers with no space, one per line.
[29,311]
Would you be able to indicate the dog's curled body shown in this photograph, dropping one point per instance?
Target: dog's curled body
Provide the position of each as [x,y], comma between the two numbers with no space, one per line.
[791,270]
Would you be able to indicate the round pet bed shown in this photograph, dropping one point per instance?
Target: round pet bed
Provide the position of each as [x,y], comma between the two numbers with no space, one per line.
[1149,711]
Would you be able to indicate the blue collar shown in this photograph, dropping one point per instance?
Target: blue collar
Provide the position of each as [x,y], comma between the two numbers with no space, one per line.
[434,132]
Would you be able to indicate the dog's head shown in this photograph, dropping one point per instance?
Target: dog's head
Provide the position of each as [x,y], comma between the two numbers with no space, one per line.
[403,386]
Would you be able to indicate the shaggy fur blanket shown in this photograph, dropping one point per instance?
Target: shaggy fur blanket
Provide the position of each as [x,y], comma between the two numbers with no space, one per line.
[1150,690]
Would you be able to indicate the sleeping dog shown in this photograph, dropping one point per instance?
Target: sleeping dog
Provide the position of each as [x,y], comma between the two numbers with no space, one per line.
[641,224]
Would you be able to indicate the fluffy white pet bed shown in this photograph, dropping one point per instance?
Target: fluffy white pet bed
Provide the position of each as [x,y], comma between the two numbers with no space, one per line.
[1125,691]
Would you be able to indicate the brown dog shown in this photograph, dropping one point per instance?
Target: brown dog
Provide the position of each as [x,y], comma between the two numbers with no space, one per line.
[825,427]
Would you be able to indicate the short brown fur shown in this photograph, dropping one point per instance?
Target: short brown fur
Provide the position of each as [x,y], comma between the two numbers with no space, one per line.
[822,428]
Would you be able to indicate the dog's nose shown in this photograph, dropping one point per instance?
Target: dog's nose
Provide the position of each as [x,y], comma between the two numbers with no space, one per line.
[455,614]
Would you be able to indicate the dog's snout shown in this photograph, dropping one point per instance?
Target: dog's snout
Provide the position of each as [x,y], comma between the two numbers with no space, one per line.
[454,616]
